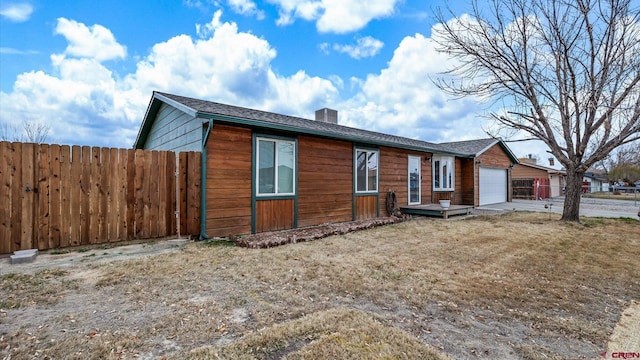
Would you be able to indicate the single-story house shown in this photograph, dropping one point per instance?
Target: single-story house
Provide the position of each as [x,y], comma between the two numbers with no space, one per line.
[595,181]
[264,171]
[554,179]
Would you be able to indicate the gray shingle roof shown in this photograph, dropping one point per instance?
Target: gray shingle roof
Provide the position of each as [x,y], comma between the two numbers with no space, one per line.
[297,124]
[263,119]
[470,147]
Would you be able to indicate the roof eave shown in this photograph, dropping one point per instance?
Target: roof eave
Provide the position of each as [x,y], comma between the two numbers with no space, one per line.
[298,130]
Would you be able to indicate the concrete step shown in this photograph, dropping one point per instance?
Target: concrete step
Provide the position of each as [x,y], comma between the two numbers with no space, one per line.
[24,256]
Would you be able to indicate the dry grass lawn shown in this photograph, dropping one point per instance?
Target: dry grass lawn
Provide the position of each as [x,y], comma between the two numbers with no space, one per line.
[511,286]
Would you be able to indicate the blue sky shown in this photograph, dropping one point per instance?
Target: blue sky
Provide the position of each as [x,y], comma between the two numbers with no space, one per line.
[88,68]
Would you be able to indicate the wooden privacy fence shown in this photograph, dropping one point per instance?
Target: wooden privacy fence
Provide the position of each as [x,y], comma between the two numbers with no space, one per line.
[531,189]
[56,196]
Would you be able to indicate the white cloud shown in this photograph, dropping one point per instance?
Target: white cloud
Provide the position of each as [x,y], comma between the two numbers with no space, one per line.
[84,102]
[95,42]
[402,99]
[246,7]
[365,47]
[12,51]
[324,47]
[16,12]
[334,16]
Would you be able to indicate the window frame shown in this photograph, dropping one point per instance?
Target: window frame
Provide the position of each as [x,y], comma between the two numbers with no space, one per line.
[276,141]
[439,170]
[367,151]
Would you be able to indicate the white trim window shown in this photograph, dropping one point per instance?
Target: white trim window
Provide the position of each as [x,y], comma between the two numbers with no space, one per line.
[443,173]
[275,167]
[366,171]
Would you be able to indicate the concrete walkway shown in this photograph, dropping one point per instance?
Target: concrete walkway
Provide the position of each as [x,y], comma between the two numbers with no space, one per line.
[626,335]
[588,207]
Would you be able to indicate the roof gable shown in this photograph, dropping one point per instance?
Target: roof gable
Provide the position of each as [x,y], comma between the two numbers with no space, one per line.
[478,146]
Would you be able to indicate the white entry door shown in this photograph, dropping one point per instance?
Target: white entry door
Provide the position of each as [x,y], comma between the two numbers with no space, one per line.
[493,186]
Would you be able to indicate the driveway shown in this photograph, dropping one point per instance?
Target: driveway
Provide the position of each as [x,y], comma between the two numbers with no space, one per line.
[588,207]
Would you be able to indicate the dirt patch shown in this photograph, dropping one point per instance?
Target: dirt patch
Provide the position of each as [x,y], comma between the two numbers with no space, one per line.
[512,286]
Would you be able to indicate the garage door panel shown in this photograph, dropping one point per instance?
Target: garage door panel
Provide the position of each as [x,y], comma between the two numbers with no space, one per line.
[493,186]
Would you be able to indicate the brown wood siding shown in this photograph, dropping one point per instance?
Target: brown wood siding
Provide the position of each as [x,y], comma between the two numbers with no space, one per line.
[444,195]
[325,181]
[394,176]
[526,172]
[366,207]
[494,157]
[466,181]
[272,215]
[228,183]
[427,183]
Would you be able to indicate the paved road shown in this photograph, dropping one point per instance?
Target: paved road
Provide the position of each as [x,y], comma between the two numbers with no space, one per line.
[588,207]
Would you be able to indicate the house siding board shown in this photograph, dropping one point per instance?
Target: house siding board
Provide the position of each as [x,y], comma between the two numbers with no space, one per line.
[394,176]
[366,207]
[228,187]
[466,182]
[275,214]
[427,184]
[325,181]
[174,130]
[527,172]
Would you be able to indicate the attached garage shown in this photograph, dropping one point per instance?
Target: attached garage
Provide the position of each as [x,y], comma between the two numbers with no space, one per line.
[493,185]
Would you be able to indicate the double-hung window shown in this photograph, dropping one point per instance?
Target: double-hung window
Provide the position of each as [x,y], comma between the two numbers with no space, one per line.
[366,171]
[275,170]
[443,173]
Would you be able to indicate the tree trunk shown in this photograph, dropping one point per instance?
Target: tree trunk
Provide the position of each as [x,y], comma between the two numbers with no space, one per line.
[571,210]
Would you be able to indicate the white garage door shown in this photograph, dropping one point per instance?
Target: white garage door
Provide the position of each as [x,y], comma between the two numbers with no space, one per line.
[493,186]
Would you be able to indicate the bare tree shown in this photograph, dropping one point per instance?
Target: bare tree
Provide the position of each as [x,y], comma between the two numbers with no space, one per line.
[36,132]
[32,131]
[566,72]
[623,164]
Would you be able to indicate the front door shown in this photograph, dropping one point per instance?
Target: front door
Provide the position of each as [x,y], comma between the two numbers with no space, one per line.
[414,180]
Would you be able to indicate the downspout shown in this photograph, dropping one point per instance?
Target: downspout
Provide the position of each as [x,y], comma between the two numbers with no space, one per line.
[206,131]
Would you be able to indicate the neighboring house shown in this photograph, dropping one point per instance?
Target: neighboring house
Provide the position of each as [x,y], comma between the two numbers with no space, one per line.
[554,179]
[264,171]
[595,181]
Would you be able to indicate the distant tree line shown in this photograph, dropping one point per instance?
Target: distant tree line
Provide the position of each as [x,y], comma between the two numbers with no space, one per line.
[30,131]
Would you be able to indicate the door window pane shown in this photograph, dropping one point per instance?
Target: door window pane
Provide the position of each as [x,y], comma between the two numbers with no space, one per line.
[414,180]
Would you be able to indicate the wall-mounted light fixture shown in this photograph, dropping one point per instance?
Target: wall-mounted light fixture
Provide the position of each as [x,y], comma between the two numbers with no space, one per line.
[478,162]
[427,158]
